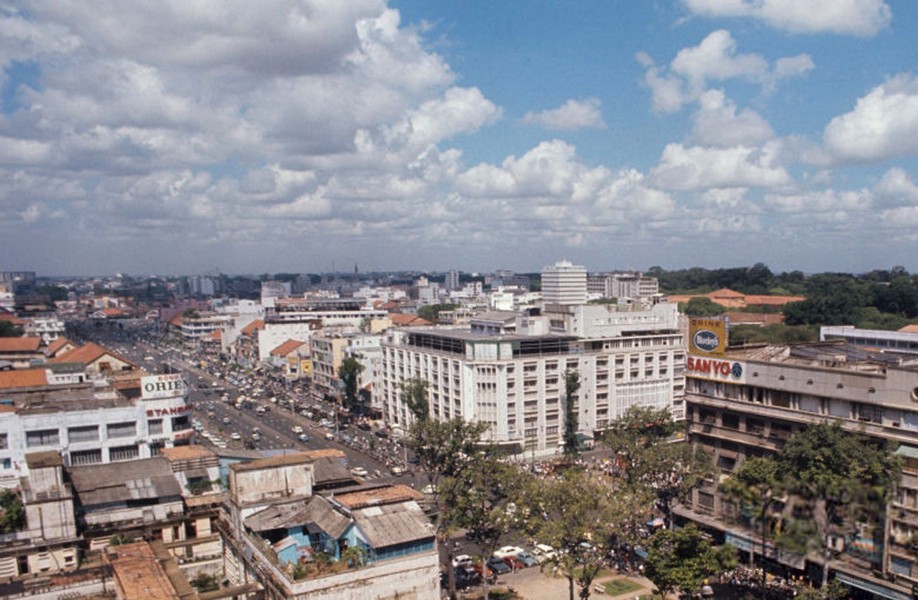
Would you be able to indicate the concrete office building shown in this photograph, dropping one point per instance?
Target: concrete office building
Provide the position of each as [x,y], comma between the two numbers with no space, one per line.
[749,403]
[513,377]
[91,423]
[564,283]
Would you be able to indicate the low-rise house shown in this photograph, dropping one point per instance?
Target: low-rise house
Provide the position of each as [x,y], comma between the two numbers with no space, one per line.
[360,542]
[21,352]
[97,360]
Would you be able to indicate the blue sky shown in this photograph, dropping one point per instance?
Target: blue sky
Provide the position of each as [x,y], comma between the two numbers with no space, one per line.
[417,134]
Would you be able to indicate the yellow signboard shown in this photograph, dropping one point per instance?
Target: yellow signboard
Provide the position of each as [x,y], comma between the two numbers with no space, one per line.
[306,368]
[708,335]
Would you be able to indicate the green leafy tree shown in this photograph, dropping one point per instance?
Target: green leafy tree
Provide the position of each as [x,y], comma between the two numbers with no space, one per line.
[7,329]
[190,313]
[12,512]
[701,307]
[583,517]
[446,452]
[205,583]
[644,440]
[839,478]
[414,395]
[349,373]
[487,507]
[571,387]
[680,560]
[756,488]
[431,312]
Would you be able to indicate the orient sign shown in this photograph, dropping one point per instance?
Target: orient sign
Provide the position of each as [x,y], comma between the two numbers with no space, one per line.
[712,368]
[162,386]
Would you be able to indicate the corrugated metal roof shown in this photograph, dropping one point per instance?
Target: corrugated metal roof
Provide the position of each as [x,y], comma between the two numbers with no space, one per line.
[393,524]
[118,482]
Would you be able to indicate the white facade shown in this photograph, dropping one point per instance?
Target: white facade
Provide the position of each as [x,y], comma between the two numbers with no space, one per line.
[47,328]
[516,383]
[88,424]
[564,283]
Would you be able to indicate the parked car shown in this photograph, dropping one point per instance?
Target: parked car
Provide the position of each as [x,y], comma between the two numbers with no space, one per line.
[527,559]
[359,472]
[397,471]
[303,437]
[498,565]
[462,560]
[381,433]
[297,429]
[515,563]
[506,551]
[544,552]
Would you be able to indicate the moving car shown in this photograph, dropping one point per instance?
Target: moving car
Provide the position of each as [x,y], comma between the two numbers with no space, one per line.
[359,472]
[297,429]
[303,437]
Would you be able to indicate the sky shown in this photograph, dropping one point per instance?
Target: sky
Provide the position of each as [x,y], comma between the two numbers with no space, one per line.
[203,136]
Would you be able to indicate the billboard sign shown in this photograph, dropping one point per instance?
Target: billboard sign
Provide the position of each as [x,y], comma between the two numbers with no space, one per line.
[708,335]
[162,386]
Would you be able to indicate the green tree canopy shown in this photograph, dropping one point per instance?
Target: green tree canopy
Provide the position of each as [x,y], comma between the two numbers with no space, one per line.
[644,441]
[571,387]
[7,329]
[349,373]
[431,312]
[447,452]
[414,395]
[12,512]
[584,517]
[680,560]
[701,307]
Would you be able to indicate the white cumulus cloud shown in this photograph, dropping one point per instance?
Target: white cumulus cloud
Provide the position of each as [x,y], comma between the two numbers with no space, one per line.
[573,114]
[715,59]
[699,168]
[717,123]
[883,124]
[848,17]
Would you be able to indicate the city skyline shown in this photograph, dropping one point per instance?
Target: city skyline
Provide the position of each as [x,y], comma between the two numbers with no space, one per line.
[415,135]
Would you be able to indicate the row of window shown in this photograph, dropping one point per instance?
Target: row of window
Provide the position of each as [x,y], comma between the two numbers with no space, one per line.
[91,433]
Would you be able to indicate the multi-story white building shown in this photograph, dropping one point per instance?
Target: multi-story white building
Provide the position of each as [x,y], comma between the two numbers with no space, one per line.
[564,283]
[623,285]
[515,382]
[905,340]
[750,402]
[91,423]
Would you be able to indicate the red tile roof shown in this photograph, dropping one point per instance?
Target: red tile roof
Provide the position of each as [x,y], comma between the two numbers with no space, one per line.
[253,327]
[402,320]
[88,353]
[23,378]
[286,348]
[19,344]
[57,345]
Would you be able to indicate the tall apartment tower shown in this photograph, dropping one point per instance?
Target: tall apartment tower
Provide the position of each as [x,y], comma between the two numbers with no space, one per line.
[452,280]
[564,283]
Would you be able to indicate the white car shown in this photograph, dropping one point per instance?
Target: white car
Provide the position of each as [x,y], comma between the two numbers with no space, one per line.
[463,560]
[507,551]
[297,429]
[235,436]
[359,472]
[544,552]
